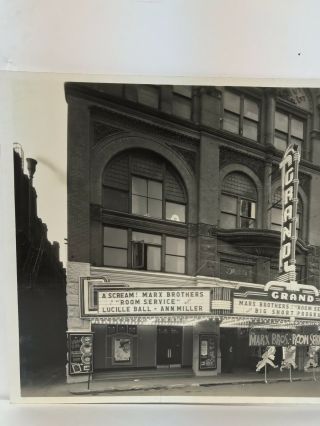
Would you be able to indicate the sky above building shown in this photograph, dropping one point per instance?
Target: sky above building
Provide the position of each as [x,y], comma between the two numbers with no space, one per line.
[39,118]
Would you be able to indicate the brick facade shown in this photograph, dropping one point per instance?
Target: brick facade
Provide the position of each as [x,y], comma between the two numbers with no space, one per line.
[186,129]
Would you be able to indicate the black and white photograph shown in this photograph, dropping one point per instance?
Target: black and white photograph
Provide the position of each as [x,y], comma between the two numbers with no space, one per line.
[167,241]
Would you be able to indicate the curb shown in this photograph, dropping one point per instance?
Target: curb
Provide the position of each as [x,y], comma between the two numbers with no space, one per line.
[184,385]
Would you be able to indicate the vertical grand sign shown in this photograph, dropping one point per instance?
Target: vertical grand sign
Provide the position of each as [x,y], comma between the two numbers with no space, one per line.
[290,181]
[287,255]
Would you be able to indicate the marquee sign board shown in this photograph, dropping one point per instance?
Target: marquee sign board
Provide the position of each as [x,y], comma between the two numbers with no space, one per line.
[154,301]
[100,299]
[277,303]
[283,338]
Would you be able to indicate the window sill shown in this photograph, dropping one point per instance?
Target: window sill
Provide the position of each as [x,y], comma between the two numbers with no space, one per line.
[141,223]
[139,271]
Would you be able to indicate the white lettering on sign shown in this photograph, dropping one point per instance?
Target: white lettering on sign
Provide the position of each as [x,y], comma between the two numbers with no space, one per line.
[280,338]
[154,302]
[275,308]
[289,172]
[292,297]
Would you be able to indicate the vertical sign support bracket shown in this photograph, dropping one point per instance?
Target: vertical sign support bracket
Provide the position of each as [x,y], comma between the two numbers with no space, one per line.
[265,374]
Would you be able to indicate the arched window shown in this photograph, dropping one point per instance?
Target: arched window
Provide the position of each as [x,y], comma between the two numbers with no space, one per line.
[238,201]
[276,212]
[143,185]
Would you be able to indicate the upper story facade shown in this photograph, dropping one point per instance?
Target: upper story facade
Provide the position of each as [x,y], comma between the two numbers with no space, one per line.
[185,180]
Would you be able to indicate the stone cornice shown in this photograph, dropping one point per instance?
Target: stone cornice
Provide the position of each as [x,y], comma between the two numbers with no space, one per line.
[144,224]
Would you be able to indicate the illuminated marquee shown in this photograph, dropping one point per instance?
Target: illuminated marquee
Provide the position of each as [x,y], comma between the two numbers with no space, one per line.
[154,301]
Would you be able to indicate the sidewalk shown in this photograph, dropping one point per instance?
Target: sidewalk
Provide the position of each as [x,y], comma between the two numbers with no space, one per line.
[158,382]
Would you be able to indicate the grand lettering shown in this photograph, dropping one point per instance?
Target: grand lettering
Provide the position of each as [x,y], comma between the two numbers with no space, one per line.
[292,297]
[288,231]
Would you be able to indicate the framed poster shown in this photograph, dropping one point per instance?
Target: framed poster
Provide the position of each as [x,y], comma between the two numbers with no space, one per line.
[80,349]
[207,352]
[122,349]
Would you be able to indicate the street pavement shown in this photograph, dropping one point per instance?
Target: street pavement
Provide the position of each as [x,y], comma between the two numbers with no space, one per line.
[152,384]
[306,389]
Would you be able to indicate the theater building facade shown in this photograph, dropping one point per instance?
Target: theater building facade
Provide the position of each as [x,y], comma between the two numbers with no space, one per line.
[174,219]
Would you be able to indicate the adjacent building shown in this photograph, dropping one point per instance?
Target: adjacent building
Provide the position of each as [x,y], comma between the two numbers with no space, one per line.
[41,282]
[174,198]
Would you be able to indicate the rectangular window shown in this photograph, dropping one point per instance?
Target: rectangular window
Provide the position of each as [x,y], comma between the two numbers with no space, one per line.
[148,95]
[114,199]
[250,119]
[232,102]
[176,212]
[153,258]
[182,101]
[146,251]
[282,122]
[241,115]
[247,214]
[228,217]
[236,212]
[146,197]
[231,122]
[288,129]
[115,251]
[137,254]
[276,218]
[175,255]
[228,221]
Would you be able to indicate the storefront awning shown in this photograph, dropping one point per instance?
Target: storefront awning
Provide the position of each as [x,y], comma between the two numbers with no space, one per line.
[226,321]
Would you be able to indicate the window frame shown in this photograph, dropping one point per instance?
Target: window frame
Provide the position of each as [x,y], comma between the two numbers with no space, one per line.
[300,212]
[242,118]
[164,201]
[291,115]
[114,247]
[238,215]
[166,169]
[179,95]
[154,87]
[184,257]
[132,176]
[162,246]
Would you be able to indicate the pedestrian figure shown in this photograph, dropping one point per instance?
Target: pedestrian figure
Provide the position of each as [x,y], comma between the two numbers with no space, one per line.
[230,359]
[267,358]
[311,361]
[289,358]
